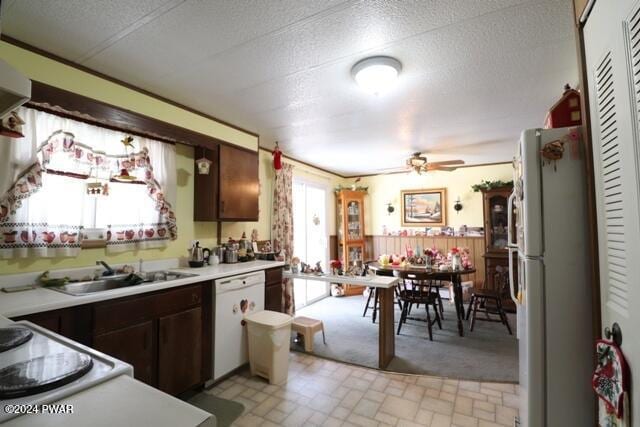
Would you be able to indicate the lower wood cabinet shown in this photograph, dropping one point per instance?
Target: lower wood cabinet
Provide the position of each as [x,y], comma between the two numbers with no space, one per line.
[135,345]
[166,335]
[273,289]
[180,351]
[497,277]
[73,322]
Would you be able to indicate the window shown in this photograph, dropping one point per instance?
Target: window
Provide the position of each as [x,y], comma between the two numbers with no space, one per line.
[310,234]
[46,205]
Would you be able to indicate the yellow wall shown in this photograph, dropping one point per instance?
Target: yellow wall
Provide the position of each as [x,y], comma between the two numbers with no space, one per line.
[71,79]
[385,189]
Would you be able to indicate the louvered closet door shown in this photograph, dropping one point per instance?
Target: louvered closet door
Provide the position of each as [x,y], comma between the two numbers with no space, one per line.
[612,44]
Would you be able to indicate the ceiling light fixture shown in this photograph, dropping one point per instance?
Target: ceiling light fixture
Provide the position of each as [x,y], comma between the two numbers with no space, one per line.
[377,73]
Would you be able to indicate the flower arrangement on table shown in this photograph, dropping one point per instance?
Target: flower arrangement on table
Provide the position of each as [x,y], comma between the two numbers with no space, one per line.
[464,254]
[336,267]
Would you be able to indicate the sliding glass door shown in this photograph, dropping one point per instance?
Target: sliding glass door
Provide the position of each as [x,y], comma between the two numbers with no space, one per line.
[310,237]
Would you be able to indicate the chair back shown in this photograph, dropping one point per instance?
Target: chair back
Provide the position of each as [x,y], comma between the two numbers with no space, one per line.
[413,283]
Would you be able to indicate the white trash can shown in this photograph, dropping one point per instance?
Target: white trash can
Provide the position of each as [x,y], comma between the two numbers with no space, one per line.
[269,335]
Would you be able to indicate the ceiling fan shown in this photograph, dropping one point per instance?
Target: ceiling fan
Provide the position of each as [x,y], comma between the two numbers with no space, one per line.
[418,163]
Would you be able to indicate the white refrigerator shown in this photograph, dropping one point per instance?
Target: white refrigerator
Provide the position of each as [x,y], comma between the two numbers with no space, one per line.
[549,231]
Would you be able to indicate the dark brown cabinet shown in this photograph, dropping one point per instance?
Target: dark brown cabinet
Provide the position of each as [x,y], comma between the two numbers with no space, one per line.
[230,191]
[180,351]
[73,322]
[496,256]
[135,345]
[165,335]
[273,289]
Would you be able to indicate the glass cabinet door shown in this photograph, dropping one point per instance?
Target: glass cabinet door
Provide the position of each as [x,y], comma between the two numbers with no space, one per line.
[353,214]
[355,253]
[498,221]
[340,222]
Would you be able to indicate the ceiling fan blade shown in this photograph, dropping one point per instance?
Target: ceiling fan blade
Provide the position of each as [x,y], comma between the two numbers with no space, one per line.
[440,168]
[448,162]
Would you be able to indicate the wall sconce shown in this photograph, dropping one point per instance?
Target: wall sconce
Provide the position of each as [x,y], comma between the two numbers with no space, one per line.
[390,209]
[458,205]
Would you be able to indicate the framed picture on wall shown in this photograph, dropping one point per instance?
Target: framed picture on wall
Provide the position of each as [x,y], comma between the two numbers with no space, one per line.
[424,208]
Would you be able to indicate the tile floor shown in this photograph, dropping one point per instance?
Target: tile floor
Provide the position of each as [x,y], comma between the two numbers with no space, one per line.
[320,392]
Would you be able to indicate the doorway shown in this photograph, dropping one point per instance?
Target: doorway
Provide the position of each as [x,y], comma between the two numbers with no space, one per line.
[310,237]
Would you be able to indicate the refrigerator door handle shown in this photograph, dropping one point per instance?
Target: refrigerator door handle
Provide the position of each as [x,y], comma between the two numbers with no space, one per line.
[511,290]
[510,226]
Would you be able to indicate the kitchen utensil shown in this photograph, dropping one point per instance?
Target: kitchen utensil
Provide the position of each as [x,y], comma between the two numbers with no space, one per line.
[197,255]
[231,255]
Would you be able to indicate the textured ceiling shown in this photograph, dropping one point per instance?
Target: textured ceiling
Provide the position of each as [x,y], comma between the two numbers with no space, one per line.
[475,73]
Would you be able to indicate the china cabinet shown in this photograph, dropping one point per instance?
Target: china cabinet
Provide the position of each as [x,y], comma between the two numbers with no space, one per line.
[350,224]
[496,256]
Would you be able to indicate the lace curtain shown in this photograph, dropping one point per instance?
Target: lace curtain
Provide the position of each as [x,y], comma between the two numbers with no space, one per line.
[45,210]
[282,226]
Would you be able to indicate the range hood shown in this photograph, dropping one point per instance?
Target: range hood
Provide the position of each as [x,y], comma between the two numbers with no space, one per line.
[15,88]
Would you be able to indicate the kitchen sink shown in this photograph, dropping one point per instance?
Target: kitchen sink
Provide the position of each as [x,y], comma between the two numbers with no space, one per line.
[109,283]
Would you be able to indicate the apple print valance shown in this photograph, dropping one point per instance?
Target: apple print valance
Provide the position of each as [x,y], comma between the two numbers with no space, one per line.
[82,181]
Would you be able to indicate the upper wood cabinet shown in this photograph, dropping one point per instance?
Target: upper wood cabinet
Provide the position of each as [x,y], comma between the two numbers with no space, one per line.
[239,184]
[230,192]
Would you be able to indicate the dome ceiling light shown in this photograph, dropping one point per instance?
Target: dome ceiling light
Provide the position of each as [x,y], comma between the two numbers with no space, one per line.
[377,73]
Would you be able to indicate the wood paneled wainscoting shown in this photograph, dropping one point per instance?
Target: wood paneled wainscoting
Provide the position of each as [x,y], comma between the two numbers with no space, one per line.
[378,245]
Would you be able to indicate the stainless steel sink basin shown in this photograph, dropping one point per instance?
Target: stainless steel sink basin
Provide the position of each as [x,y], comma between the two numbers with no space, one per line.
[119,281]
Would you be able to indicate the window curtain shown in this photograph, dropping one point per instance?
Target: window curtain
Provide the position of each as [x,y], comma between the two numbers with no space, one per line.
[282,227]
[45,210]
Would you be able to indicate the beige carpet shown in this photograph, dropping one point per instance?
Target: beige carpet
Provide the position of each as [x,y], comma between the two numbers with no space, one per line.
[488,353]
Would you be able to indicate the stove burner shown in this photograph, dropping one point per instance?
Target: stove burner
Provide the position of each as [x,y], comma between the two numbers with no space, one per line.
[13,337]
[42,374]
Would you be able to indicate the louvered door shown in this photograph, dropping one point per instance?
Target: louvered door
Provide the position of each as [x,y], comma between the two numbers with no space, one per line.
[612,47]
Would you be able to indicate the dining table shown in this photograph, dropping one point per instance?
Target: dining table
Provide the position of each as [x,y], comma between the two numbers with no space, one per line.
[434,273]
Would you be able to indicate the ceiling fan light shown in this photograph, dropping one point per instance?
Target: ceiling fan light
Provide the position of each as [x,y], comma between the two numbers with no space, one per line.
[377,73]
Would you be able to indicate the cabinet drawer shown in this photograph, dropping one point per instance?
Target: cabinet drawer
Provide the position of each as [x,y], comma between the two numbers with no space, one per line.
[273,276]
[113,315]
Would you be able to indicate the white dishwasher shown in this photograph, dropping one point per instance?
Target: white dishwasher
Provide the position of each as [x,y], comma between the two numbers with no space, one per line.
[235,297]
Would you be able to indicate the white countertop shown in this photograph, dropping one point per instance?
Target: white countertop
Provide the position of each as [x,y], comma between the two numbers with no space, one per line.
[121,401]
[385,282]
[43,299]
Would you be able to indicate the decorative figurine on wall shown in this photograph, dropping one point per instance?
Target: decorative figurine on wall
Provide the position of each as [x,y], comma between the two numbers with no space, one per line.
[204,164]
[11,126]
[277,157]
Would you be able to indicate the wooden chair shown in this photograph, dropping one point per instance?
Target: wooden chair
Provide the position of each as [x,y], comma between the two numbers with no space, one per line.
[373,295]
[435,286]
[415,289]
[489,302]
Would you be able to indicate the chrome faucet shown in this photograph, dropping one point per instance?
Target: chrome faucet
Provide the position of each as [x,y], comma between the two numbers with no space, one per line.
[109,271]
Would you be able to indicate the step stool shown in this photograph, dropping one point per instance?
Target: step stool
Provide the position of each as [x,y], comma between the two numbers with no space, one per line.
[307,327]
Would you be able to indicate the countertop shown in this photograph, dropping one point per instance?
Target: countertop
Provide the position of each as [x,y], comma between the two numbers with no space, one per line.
[384,282]
[121,401]
[43,299]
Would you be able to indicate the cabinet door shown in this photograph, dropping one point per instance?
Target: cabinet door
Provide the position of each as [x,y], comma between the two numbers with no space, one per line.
[180,351]
[354,223]
[239,185]
[205,197]
[134,345]
[74,323]
[354,253]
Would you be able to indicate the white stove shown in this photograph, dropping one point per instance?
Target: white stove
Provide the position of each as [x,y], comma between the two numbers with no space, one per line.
[44,367]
